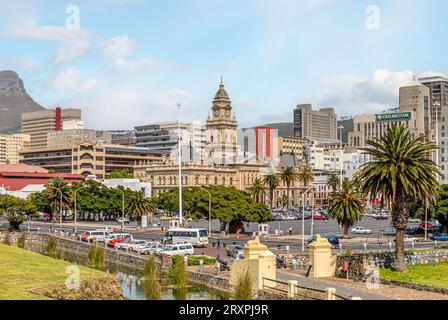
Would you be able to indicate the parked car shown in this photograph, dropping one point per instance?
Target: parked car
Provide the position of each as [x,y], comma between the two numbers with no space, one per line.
[119,238]
[125,220]
[334,240]
[129,244]
[152,247]
[178,249]
[414,230]
[415,220]
[361,230]
[381,217]
[320,217]
[441,237]
[408,238]
[92,236]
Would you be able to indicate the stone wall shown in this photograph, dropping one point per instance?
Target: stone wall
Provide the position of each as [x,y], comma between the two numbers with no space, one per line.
[74,250]
[358,264]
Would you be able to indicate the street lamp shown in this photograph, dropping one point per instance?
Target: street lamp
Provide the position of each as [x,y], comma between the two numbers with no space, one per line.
[303,217]
[209,211]
[340,160]
[76,211]
[60,207]
[179,105]
[122,210]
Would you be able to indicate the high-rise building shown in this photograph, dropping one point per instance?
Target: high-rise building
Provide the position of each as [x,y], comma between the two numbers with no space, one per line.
[438,86]
[64,138]
[416,98]
[11,145]
[309,123]
[163,137]
[123,137]
[37,124]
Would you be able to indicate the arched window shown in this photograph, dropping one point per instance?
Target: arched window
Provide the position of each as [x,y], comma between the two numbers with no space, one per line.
[207,178]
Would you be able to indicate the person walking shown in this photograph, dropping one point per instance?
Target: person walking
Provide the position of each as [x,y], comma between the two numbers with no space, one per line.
[290,231]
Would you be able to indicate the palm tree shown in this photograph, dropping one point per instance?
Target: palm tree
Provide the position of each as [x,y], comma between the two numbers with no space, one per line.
[257,189]
[347,206]
[333,181]
[139,205]
[305,176]
[288,176]
[58,194]
[271,181]
[401,170]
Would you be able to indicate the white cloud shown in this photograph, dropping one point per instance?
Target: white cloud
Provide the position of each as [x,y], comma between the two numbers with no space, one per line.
[71,79]
[353,94]
[74,42]
[137,65]
[118,46]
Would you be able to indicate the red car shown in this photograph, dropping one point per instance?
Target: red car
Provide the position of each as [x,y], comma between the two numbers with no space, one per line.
[430,225]
[119,239]
[320,217]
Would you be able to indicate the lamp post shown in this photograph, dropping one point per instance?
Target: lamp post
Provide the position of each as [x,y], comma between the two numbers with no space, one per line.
[209,211]
[179,105]
[303,217]
[76,211]
[437,105]
[340,160]
[60,207]
[122,210]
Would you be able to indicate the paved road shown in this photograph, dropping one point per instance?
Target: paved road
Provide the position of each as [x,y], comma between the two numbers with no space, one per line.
[343,291]
[276,244]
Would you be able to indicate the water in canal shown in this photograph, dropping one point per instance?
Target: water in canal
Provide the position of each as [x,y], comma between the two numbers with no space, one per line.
[133,289]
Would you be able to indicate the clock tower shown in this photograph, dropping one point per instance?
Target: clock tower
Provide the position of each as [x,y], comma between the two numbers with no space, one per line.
[221,129]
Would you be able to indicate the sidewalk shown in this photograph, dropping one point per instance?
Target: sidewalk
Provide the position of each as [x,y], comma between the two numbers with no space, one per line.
[316,284]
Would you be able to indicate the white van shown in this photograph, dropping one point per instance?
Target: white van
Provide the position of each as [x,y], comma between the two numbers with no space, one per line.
[184,249]
[92,236]
[195,236]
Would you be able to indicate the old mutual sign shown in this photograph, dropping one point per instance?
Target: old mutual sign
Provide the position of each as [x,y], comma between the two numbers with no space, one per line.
[399,116]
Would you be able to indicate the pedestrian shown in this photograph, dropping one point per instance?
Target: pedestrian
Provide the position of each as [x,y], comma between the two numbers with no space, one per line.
[219,244]
[290,231]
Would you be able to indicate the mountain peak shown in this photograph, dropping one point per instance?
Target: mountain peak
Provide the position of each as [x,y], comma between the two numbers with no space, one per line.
[14,100]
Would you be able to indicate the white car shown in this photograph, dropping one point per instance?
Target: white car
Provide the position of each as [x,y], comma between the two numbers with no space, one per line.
[137,244]
[415,220]
[183,249]
[408,238]
[152,247]
[361,230]
[127,244]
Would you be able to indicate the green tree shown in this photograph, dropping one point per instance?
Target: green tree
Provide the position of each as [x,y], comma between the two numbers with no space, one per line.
[271,181]
[258,190]
[333,181]
[288,176]
[139,205]
[122,174]
[401,170]
[59,195]
[230,205]
[305,175]
[42,204]
[16,210]
[347,206]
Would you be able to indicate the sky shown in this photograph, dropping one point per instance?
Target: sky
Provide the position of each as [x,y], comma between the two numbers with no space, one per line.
[127,63]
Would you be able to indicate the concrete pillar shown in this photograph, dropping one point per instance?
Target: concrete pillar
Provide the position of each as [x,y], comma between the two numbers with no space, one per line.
[201,266]
[292,288]
[331,293]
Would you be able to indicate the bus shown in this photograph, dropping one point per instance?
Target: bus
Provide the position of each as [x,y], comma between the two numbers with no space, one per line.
[197,237]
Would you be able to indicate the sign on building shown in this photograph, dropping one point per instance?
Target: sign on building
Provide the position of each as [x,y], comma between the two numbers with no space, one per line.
[398,116]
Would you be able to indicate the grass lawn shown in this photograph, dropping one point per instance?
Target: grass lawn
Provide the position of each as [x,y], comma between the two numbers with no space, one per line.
[21,270]
[427,274]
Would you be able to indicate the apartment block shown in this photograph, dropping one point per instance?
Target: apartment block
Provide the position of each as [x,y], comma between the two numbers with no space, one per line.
[11,145]
[309,123]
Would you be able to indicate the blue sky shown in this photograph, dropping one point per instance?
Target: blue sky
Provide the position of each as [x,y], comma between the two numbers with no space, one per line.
[132,60]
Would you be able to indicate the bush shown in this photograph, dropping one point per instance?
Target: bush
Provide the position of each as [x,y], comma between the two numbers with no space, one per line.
[178,272]
[244,286]
[21,240]
[52,250]
[96,256]
[152,286]
[194,260]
